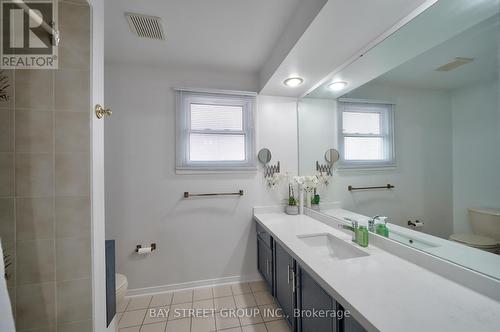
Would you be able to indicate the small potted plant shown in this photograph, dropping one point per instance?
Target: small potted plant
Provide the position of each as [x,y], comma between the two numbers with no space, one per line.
[291,207]
[315,201]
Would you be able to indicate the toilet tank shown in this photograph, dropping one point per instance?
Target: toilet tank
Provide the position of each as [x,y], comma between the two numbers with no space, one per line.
[485,222]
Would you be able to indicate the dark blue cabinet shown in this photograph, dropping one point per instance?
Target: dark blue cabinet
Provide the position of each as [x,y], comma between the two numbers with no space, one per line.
[285,283]
[313,299]
[110,281]
[297,293]
[265,262]
[352,325]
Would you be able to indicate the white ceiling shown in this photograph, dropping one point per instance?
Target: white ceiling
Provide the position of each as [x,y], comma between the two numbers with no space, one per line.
[479,43]
[228,35]
[341,30]
[269,39]
[449,29]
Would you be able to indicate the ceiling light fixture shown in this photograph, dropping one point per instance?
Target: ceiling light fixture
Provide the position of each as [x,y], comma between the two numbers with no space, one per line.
[292,82]
[337,86]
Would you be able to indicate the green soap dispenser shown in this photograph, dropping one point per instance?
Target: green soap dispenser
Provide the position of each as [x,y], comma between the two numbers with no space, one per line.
[381,229]
[362,239]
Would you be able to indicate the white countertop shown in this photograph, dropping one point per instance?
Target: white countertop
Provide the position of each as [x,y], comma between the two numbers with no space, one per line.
[475,259]
[384,292]
[6,318]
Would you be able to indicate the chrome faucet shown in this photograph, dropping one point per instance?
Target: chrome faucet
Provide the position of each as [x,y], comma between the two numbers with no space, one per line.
[353,228]
[371,222]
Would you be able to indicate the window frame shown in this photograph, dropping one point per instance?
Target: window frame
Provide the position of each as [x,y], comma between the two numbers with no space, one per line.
[184,98]
[387,114]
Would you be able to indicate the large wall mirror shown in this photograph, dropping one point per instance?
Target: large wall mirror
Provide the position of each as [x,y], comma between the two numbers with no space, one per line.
[419,111]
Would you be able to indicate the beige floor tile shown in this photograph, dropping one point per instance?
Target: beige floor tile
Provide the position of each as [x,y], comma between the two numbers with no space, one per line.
[222,291]
[244,301]
[178,311]
[161,300]
[179,325]
[250,316]
[202,294]
[205,304]
[224,303]
[225,321]
[277,326]
[118,317]
[263,298]
[254,328]
[203,324]
[156,315]
[234,329]
[240,289]
[136,303]
[157,327]
[130,329]
[270,312]
[258,286]
[122,306]
[183,296]
[132,318]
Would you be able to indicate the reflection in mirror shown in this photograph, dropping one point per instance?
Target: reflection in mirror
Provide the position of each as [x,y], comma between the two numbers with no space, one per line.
[264,155]
[444,132]
[331,156]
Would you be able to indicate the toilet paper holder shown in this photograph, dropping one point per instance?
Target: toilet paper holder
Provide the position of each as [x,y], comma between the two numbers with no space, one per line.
[152,246]
[415,223]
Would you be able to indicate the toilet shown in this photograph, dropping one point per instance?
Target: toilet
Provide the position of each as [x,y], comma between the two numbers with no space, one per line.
[485,224]
[121,288]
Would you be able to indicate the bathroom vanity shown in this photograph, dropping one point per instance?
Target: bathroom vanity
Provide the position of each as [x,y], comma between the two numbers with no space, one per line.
[310,263]
[412,125]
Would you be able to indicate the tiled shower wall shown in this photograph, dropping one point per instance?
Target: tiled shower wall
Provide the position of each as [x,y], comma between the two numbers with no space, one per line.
[45,184]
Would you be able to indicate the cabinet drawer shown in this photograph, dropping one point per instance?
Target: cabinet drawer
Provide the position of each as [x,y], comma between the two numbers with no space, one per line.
[263,235]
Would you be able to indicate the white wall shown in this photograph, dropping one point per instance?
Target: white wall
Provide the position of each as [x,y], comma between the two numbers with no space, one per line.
[422,178]
[476,150]
[197,239]
[317,131]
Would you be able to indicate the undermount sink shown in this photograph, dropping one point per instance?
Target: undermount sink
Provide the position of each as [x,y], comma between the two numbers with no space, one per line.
[411,241]
[329,245]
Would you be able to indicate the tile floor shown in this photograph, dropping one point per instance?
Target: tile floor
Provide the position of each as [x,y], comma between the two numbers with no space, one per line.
[244,307]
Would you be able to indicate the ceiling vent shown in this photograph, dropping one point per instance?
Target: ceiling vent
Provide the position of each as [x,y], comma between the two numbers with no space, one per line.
[145,26]
[455,64]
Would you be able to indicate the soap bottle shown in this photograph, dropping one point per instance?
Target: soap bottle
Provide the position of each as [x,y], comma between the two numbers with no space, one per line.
[381,229]
[362,239]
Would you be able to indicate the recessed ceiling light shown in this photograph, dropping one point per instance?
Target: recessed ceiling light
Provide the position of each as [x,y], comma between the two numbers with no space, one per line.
[337,86]
[292,82]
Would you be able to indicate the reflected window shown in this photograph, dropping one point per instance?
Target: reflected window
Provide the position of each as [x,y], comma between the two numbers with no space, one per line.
[366,134]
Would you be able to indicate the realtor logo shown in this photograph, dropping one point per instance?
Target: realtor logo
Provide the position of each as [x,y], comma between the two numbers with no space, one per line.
[29,34]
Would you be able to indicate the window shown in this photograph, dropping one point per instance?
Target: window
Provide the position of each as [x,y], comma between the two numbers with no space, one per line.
[215,131]
[366,134]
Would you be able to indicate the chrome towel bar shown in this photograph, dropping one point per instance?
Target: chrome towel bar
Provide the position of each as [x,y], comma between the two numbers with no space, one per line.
[187,194]
[388,186]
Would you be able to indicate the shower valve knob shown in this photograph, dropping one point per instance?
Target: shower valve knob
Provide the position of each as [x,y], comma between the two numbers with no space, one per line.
[101,112]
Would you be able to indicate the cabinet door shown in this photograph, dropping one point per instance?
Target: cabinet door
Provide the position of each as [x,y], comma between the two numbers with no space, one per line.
[313,298]
[265,262]
[352,325]
[284,287]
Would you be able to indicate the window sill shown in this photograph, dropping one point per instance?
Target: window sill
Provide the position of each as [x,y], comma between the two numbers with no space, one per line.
[198,171]
[367,168]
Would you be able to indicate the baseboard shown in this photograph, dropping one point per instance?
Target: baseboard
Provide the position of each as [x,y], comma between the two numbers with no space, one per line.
[192,284]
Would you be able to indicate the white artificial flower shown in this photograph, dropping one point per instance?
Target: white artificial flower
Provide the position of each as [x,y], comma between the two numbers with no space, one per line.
[274,180]
[299,179]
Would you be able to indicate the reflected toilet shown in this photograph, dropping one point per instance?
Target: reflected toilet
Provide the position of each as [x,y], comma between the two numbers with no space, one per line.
[485,224]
